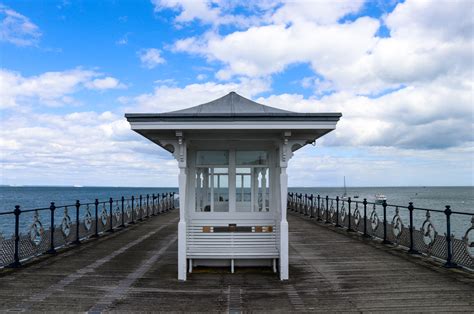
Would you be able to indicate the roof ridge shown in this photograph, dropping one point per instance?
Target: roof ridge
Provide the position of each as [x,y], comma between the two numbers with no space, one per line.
[264,108]
[232,112]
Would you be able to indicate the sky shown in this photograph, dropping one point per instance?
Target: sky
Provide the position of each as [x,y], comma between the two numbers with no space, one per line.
[400,72]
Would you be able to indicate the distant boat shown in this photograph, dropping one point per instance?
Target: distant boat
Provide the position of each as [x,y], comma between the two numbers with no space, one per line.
[379,198]
[344,196]
[77,186]
[356,196]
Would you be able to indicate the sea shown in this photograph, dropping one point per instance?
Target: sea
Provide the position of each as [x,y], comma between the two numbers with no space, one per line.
[461,199]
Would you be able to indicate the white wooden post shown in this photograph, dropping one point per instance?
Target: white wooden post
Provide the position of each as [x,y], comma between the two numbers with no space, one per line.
[284,272]
[285,155]
[180,155]
[182,225]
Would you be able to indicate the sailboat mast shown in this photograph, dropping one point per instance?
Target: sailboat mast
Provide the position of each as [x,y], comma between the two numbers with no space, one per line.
[345,190]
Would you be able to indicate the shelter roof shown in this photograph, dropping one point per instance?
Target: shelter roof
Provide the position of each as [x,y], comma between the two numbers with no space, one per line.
[231,107]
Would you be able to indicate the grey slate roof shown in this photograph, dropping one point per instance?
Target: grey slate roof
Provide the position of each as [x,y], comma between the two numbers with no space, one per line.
[231,103]
[231,107]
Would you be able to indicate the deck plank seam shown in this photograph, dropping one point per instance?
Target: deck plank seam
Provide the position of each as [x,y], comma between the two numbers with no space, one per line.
[59,286]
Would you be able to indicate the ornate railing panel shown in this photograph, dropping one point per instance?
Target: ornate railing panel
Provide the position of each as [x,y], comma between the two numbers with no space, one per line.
[44,230]
[395,225]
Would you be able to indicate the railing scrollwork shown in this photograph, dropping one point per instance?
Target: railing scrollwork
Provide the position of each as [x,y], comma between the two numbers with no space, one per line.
[36,231]
[397,226]
[66,223]
[429,232]
[468,240]
[374,219]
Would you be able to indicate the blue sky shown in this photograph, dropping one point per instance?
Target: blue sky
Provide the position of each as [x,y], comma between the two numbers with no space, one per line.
[401,72]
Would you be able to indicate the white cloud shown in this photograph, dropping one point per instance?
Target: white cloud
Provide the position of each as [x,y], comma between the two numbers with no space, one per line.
[150,57]
[17,29]
[201,77]
[428,40]
[104,83]
[89,147]
[50,88]
[169,98]
[319,12]
[375,166]
[427,116]
[214,12]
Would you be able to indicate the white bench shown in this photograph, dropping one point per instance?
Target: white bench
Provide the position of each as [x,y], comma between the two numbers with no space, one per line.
[212,240]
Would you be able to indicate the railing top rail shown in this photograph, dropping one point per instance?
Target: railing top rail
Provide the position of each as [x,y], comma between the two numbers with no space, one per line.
[29,210]
[399,206]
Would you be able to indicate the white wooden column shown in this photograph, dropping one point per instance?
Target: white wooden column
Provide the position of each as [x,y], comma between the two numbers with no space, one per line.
[180,155]
[284,267]
[285,155]
[182,225]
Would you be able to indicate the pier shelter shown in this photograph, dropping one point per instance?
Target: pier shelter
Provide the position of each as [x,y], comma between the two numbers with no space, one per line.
[233,155]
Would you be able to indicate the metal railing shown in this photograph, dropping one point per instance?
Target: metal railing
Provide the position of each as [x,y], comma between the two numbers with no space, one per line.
[36,233]
[372,220]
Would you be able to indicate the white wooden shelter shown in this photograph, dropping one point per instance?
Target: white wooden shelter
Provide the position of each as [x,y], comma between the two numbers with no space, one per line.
[232,155]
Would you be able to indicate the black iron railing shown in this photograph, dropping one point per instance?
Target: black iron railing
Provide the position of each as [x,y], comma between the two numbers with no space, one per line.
[36,232]
[386,222]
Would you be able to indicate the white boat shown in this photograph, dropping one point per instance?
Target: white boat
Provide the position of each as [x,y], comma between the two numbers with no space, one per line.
[344,196]
[379,198]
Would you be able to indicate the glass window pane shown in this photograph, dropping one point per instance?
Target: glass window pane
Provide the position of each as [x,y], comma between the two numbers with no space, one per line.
[221,190]
[212,189]
[263,190]
[243,191]
[212,157]
[203,189]
[251,157]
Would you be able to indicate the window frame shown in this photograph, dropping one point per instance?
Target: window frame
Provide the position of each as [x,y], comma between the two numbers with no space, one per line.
[232,186]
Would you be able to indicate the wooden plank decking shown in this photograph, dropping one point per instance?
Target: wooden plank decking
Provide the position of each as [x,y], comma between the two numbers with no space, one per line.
[135,270]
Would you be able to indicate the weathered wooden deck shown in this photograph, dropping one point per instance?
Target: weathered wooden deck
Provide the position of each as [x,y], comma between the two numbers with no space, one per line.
[330,271]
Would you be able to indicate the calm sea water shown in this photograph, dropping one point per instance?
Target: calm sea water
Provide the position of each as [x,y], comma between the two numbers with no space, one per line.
[460,199]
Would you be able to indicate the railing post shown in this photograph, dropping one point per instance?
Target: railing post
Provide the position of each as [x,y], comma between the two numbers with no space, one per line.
[305,204]
[123,212]
[78,205]
[412,242]
[449,259]
[349,225]
[312,206]
[319,207]
[147,204]
[385,240]
[327,209]
[290,201]
[337,212]
[133,211]
[111,203]
[96,203]
[163,200]
[172,198]
[52,250]
[16,253]
[158,204]
[365,235]
[300,203]
[141,209]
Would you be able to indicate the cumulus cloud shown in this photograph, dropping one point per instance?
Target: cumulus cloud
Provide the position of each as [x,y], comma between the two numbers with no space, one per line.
[428,116]
[104,83]
[150,57]
[428,40]
[87,148]
[168,98]
[50,88]
[215,12]
[17,29]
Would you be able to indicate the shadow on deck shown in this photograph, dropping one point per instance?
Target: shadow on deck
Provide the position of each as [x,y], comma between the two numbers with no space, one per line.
[329,271]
